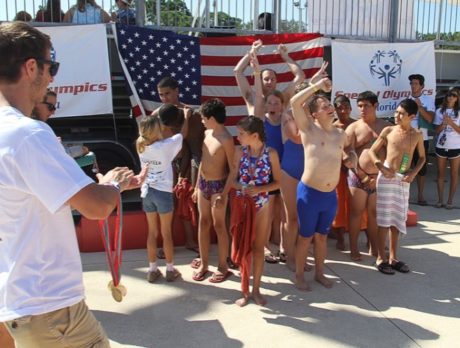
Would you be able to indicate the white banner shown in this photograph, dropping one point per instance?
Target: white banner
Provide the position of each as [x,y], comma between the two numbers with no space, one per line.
[382,68]
[83,82]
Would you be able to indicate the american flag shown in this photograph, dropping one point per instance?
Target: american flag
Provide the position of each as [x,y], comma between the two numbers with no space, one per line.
[204,67]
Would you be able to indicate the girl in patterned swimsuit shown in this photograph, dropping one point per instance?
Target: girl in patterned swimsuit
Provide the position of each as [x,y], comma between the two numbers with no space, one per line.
[253,164]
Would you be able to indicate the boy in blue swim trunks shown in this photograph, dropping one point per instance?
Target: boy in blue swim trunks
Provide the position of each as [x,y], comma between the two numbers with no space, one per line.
[323,146]
[212,188]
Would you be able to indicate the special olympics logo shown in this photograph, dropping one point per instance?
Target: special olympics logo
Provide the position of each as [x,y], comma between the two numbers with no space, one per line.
[386,65]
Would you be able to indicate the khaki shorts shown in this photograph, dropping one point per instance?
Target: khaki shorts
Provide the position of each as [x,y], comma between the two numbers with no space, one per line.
[73,326]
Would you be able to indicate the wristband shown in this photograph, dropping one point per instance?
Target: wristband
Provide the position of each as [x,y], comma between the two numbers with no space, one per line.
[256,73]
[315,88]
[115,184]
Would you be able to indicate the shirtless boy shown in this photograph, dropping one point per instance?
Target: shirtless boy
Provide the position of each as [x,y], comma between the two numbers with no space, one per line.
[268,76]
[212,188]
[393,181]
[316,198]
[168,91]
[361,180]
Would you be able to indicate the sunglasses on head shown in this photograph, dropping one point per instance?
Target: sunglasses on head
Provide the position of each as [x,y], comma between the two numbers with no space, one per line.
[54,66]
[51,107]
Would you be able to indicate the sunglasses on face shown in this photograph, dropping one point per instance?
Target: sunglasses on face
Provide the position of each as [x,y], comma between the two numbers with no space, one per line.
[54,66]
[452,95]
[51,107]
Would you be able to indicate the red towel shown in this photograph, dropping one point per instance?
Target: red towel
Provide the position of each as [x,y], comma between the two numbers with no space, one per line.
[186,208]
[242,228]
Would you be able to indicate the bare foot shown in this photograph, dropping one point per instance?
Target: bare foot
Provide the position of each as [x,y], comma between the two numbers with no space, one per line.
[324,281]
[301,284]
[259,299]
[356,257]
[242,301]
[340,245]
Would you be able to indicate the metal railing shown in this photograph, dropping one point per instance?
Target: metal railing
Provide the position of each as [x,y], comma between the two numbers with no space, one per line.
[384,20]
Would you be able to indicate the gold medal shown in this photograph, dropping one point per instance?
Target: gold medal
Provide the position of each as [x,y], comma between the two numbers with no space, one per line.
[118,292]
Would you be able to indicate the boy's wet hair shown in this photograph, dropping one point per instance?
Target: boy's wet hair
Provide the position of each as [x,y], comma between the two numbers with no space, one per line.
[214,108]
[369,96]
[340,99]
[171,116]
[168,81]
[409,105]
[419,77]
[252,124]
[312,102]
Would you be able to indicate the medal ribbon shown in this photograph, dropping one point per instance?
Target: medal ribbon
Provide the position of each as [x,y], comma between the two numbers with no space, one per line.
[113,249]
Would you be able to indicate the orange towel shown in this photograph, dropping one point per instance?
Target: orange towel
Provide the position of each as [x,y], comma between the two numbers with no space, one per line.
[343,203]
[242,228]
[343,199]
[186,208]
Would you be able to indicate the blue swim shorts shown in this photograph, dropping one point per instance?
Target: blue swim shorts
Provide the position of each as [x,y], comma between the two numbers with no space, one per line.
[156,201]
[315,209]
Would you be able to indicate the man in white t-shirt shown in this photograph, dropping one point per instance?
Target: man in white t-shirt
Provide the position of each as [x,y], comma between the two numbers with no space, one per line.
[423,122]
[41,286]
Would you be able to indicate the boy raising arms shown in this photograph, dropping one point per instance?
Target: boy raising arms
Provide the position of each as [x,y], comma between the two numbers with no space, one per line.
[212,188]
[393,181]
[316,198]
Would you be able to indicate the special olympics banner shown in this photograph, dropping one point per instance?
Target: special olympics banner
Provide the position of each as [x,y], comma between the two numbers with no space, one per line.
[83,82]
[382,68]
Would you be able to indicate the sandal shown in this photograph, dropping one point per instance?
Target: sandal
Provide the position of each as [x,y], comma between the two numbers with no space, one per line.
[385,268]
[439,205]
[282,256]
[196,263]
[199,276]
[219,277]
[270,258]
[400,267]
[449,206]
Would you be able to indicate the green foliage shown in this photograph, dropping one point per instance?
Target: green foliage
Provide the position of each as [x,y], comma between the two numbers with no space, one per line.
[446,37]
[173,13]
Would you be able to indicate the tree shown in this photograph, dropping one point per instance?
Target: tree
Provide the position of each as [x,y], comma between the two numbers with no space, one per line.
[172,13]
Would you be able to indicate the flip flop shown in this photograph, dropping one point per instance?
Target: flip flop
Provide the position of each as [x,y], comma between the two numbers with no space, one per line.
[282,256]
[385,268]
[199,276]
[218,277]
[196,263]
[270,258]
[400,267]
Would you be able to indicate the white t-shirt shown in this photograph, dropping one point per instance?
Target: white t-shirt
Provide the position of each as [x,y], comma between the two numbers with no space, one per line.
[452,138]
[159,157]
[428,103]
[40,266]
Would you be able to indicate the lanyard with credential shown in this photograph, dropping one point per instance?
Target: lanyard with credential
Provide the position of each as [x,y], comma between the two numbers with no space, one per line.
[114,252]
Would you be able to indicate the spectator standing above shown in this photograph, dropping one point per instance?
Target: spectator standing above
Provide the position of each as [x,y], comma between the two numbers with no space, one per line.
[39,183]
[86,12]
[447,123]
[124,14]
[46,108]
[23,16]
[268,76]
[393,182]
[422,121]
[51,13]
